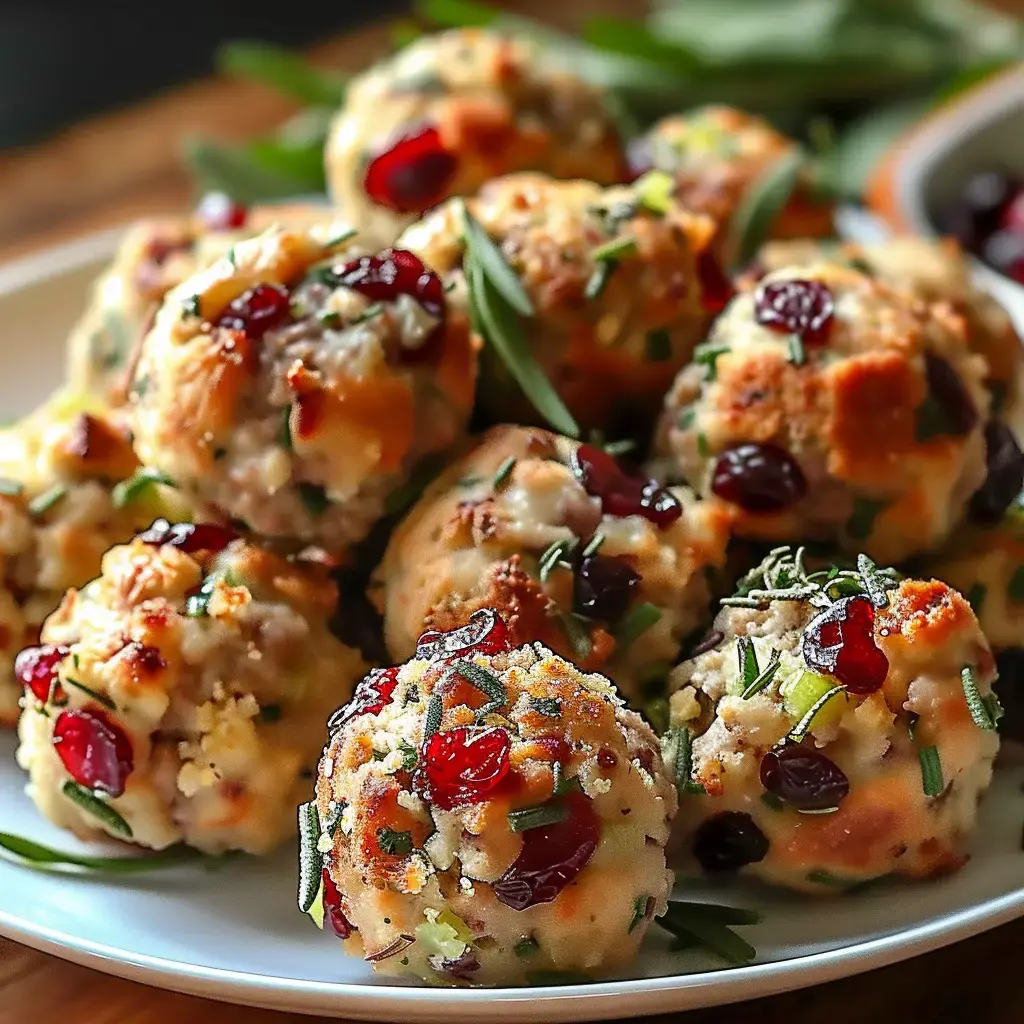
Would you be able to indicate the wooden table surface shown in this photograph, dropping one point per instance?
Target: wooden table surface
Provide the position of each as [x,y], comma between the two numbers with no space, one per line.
[71,185]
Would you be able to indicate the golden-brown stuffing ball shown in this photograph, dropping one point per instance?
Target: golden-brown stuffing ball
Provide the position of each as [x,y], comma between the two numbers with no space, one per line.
[829,740]
[453,110]
[571,549]
[484,813]
[181,696]
[296,382]
[828,406]
[621,292]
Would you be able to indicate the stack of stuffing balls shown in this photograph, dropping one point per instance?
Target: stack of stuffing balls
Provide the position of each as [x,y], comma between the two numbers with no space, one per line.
[638,550]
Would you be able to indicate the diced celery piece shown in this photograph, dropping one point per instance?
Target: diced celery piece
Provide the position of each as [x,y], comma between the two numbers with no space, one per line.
[802,691]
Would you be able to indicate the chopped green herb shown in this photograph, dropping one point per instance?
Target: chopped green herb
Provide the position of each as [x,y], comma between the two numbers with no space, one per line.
[803,727]
[561,785]
[862,520]
[10,487]
[1016,587]
[656,711]
[639,912]
[617,448]
[819,876]
[685,418]
[330,317]
[100,698]
[501,477]
[89,801]
[980,711]
[577,631]
[797,355]
[125,492]
[37,854]
[547,706]
[396,844]
[484,680]
[284,434]
[342,237]
[197,605]
[751,223]
[912,719]
[976,597]
[378,755]
[42,504]
[270,713]
[710,926]
[311,860]
[707,356]
[655,190]
[635,623]
[231,258]
[192,305]
[410,756]
[931,771]
[536,817]
[314,497]
[594,544]
[281,69]
[677,747]
[615,249]
[746,658]
[658,346]
[764,678]
[373,310]
[598,280]
[526,947]
[469,481]
[557,553]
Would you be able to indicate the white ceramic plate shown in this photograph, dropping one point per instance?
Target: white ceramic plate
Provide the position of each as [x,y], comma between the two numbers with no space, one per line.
[233,933]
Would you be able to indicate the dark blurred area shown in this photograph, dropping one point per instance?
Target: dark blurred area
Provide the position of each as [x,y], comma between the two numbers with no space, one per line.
[60,62]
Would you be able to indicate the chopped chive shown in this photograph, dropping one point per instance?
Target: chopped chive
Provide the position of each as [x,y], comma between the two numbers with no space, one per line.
[536,817]
[100,698]
[484,680]
[576,631]
[764,678]
[435,712]
[410,756]
[393,843]
[655,190]
[931,771]
[341,237]
[802,727]
[615,249]
[658,346]
[635,623]
[689,921]
[617,448]
[314,497]
[979,710]
[125,492]
[329,317]
[231,257]
[311,860]
[797,355]
[526,947]
[678,751]
[707,356]
[371,311]
[746,657]
[560,784]
[639,913]
[284,433]
[817,810]
[37,854]
[598,280]
[1016,587]
[976,597]
[547,706]
[554,555]
[89,801]
[594,544]
[10,487]
[44,502]
[501,477]
[703,448]
[192,305]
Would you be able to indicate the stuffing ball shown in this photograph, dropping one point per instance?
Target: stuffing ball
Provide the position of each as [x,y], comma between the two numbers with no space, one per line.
[834,732]
[827,406]
[602,566]
[621,292]
[70,488]
[717,156]
[453,110]
[486,813]
[294,384]
[154,256]
[181,696]
[934,270]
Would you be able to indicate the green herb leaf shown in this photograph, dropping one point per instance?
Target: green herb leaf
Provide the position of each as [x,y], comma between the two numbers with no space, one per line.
[931,771]
[100,698]
[314,497]
[656,191]
[980,711]
[710,925]
[10,487]
[594,544]
[635,623]
[235,171]
[577,633]
[42,504]
[432,719]
[677,746]
[598,280]
[658,346]
[536,817]
[555,554]
[707,356]
[488,257]
[38,855]
[764,678]
[484,680]
[562,785]
[284,433]
[803,727]
[614,250]
[281,69]
[501,477]
[125,492]
[746,658]
[752,222]
[311,860]
[797,355]
[396,844]
[89,801]
[639,913]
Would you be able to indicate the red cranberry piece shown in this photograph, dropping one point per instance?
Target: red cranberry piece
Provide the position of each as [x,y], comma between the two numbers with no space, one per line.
[36,669]
[464,765]
[257,310]
[604,587]
[485,633]
[413,174]
[716,288]
[463,967]
[1004,479]
[841,642]
[334,916]
[189,537]
[729,841]
[958,415]
[804,308]
[217,211]
[803,777]
[373,693]
[551,858]
[620,493]
[96,752]
[758,477]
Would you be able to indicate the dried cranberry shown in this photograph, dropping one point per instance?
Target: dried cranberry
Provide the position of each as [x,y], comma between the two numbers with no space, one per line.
[257,310]
[728,841]
[95,751]
[956,412]
[551,858]
[334,916]
[716,288]
[413,173]
[464,765]
[604,587]
[1004,478]
[36,669]
[485,633]
[758,477]
[373,693]
[841,642]
[804,308]
[803,777]
[189,537]
[622,494]
[463,967]
[217,211]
